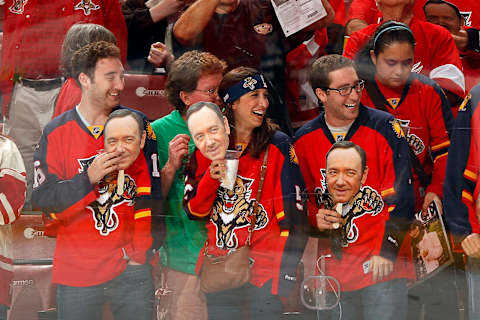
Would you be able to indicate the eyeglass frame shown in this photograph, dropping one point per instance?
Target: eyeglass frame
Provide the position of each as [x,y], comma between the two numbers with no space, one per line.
[211,92]
[360,83]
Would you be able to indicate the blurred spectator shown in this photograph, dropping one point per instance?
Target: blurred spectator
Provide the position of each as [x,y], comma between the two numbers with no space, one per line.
[245,33]
[300,98]
[436,55]
[364,12]
[193,77]
[462,208]
[33,36]
[77,36]
[147,23]
[13,184]
[447,15]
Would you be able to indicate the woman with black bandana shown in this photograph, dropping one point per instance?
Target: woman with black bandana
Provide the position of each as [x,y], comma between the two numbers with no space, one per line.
[276,243]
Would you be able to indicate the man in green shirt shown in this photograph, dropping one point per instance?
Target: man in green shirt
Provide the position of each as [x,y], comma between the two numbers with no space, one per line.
[193,77]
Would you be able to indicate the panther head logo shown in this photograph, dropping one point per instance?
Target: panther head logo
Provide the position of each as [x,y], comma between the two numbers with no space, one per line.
[233,210]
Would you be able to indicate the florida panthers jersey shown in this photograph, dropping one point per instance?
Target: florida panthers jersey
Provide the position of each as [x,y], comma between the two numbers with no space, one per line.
[277,242]
[436,55]
[99,229]
[367,11]
[461,187]
[384,205]
[424,114]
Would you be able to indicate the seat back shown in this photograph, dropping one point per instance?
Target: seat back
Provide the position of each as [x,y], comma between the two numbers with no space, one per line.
[146,93]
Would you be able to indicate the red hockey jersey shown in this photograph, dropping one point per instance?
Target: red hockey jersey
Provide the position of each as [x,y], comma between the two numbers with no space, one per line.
[436,55]
[367,11]
[385,201]
[99,230]
[424,114]
[277,242]
[461,181]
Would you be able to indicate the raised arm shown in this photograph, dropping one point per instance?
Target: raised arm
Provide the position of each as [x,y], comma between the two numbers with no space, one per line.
[192,22]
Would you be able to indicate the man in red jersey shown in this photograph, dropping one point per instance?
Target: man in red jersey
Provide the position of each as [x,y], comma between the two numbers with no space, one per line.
[367,264]
[30,75]
[91,177]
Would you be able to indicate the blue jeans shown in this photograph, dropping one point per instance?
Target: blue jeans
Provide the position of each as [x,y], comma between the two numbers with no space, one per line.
[3,312]
[131,296]
[247,302]
[473,282]
[385,300]
[435,298]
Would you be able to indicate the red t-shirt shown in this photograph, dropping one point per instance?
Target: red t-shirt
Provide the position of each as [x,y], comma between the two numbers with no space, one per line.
[367,11]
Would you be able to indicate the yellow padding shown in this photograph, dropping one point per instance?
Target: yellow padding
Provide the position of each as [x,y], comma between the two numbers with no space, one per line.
[441,145]
[280,215]
[284,233]
[387,192]
[470,174]
[467,195]
[144,190]
[143,214]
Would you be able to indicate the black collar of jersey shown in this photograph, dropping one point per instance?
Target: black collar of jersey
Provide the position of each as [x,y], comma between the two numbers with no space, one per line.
[379,100]
[361,118]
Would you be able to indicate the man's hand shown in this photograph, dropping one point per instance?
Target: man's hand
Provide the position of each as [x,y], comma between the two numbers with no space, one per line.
[177,149]
[218,169]
[102,165]
[327,218]
[159,55]
[429,197]
[471,245]
[461,39]
[380,267]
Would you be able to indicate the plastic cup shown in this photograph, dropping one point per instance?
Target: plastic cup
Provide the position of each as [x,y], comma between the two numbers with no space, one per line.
[231,159]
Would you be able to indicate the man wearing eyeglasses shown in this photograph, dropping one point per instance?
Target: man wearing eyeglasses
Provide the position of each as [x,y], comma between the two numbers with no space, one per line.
[366,261]
[193,77]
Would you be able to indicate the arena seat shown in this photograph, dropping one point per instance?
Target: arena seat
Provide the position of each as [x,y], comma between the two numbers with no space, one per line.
[146,93]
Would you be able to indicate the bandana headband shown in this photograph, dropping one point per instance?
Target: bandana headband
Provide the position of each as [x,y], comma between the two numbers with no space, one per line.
[250,83]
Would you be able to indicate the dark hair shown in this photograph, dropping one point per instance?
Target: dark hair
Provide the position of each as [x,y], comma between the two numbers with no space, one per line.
[85,59]
[79,35]
[385,35]
[323,66]
[200,105]
[185,72]
[260,136]
[345,144]
[451,5]
[122,113]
